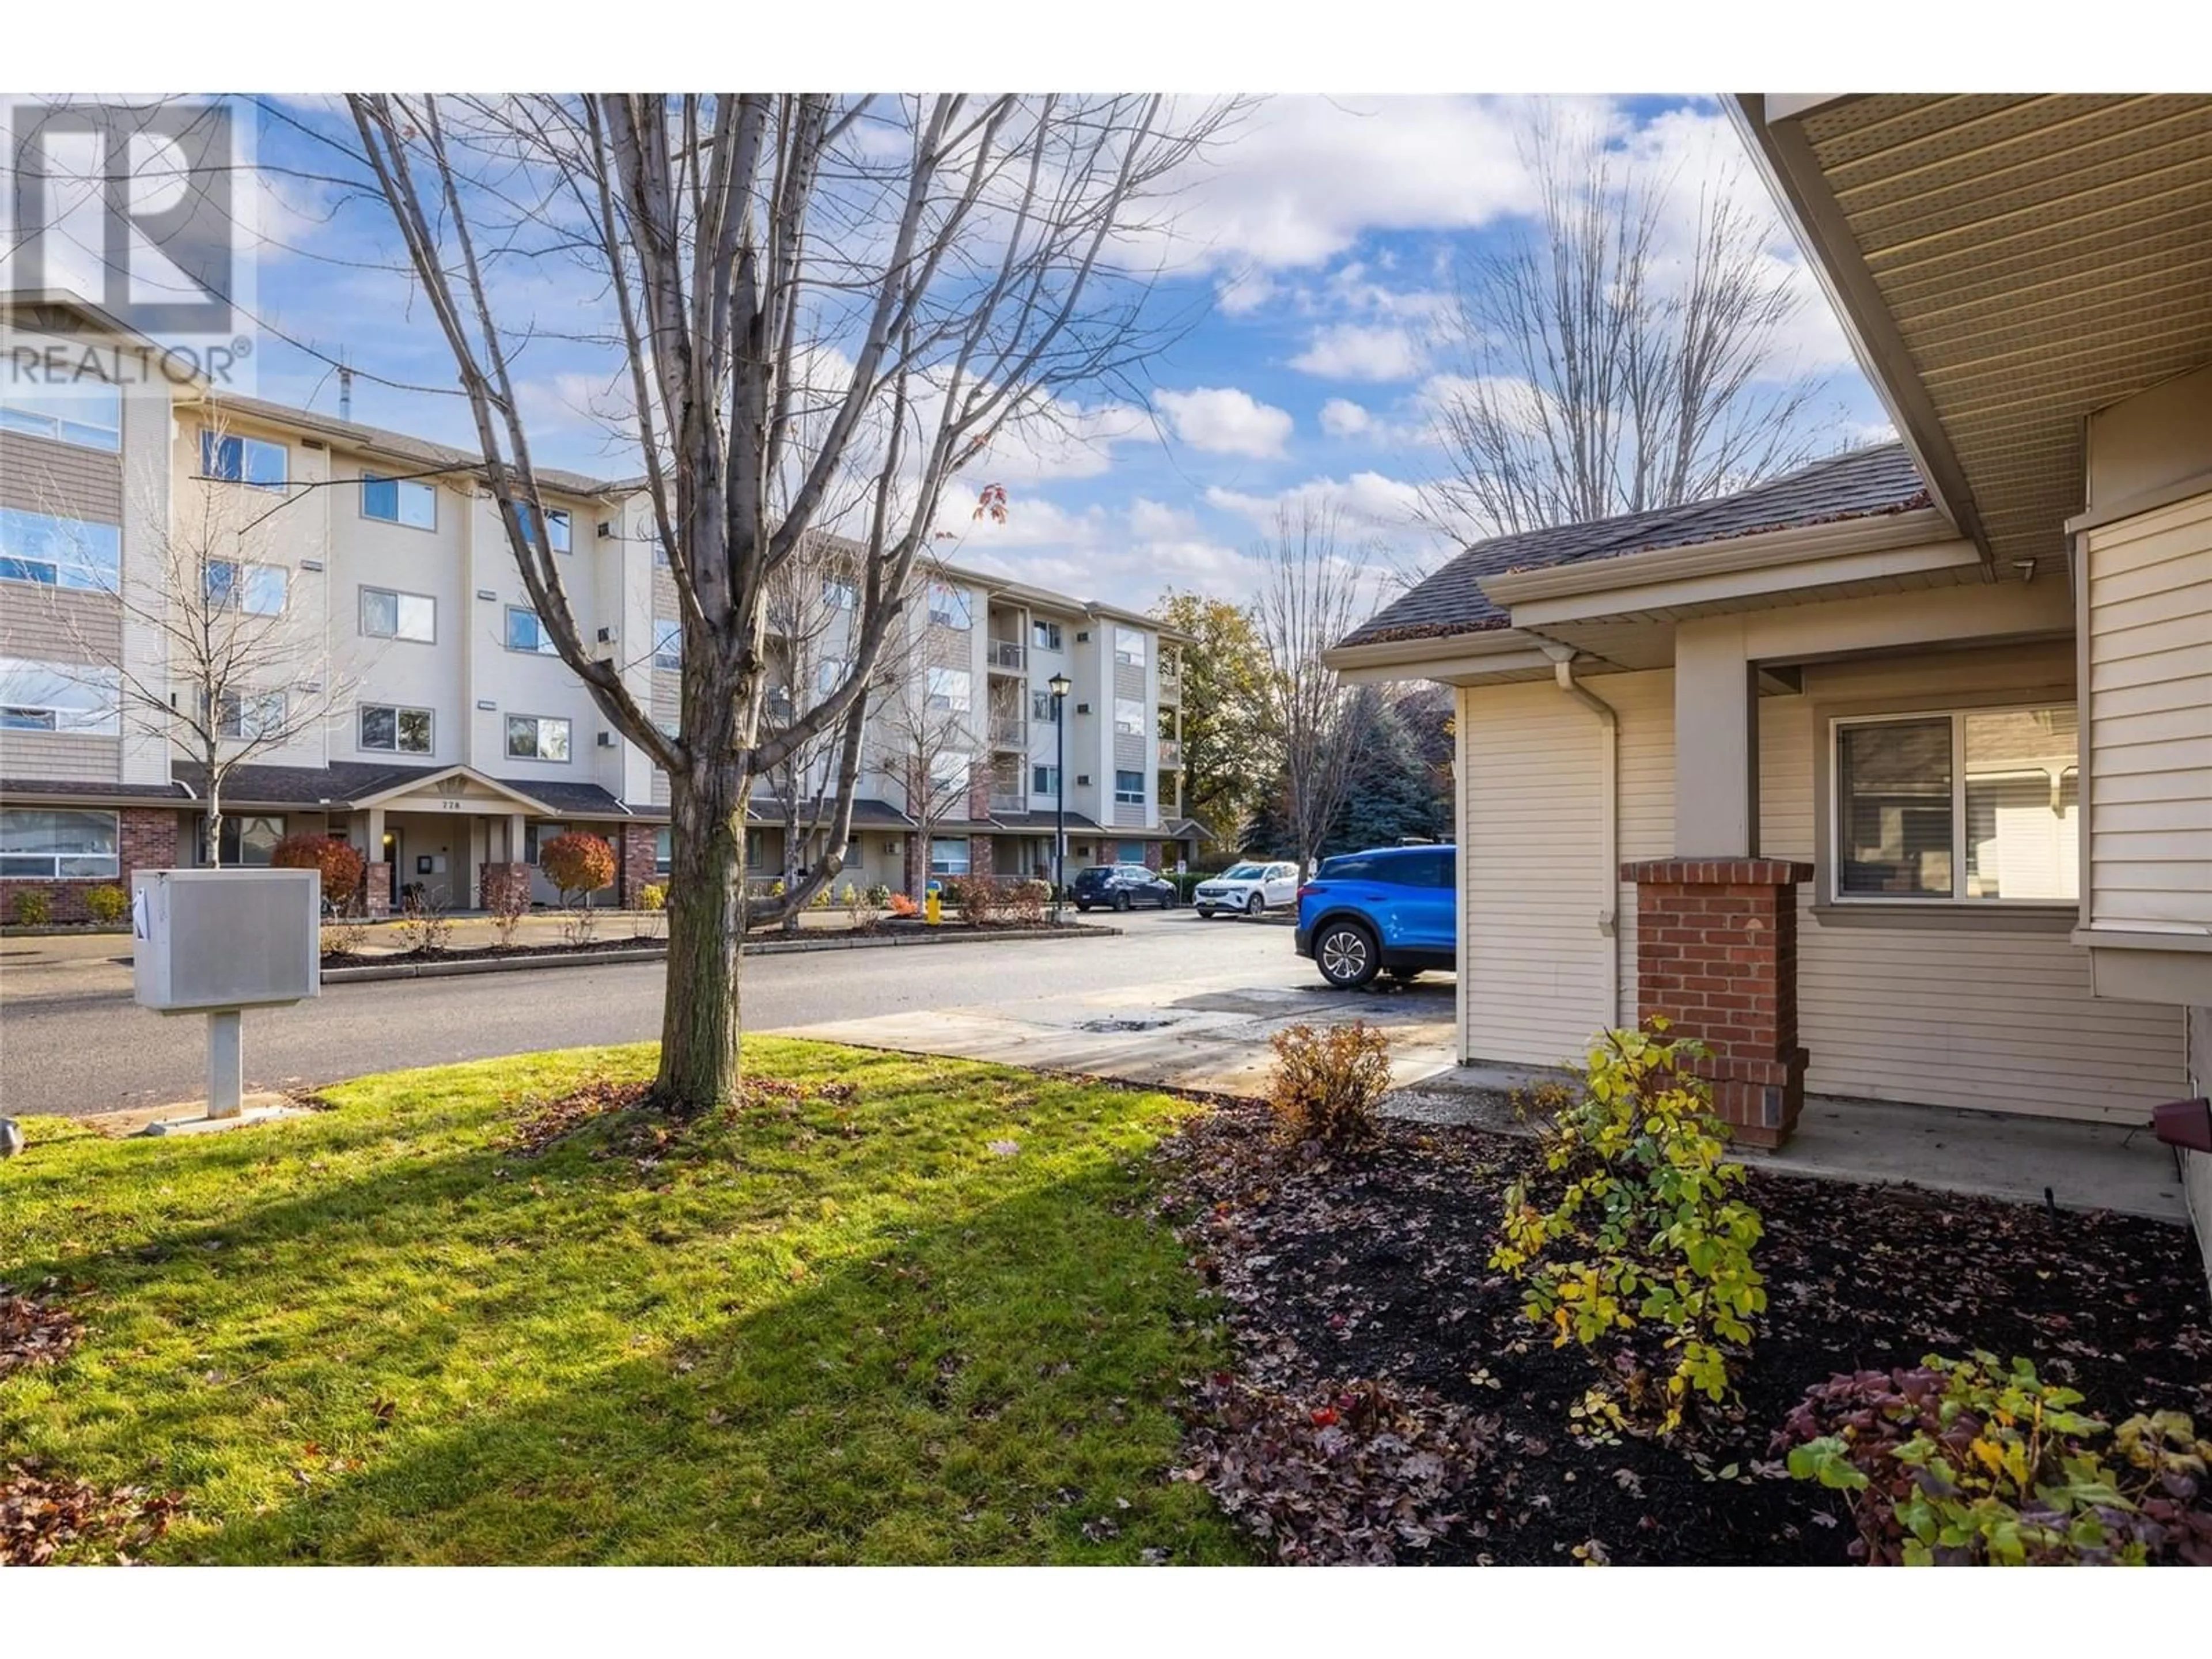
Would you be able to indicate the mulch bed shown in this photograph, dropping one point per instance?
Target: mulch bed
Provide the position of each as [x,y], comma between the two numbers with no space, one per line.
[488,952]
[1341,1277]
[547,1123]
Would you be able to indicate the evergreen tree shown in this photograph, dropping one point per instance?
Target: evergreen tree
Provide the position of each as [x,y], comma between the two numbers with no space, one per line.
[1394,794]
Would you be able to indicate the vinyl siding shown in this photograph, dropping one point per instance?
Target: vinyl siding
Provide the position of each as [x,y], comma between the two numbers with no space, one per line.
[2148,715]
[38,475]
[1991,1020]
[59,624]
[62,757]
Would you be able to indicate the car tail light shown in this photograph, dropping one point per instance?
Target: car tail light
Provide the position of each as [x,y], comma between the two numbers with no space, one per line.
[1309,889]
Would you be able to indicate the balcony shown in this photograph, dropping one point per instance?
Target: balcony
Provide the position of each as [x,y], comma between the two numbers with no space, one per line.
[1009,731]
[1171,684]
[1171,754]
[1009,800]
[1006,656]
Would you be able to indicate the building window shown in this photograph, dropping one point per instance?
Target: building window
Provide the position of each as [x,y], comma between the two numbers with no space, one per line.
[1129,852]
[398,501]
[400,731]
[37,547]
[255,461]
[1045,707]
[1045,635]
[948,606]
[1044,780]
[535,835]
[664,849]
[45,697]
[257,589]
[525,632]
[249,715]
[838,593]
[949,771]
[385,615]
[536,737]
[948,856]
[756,849]
[1129,647]
[527,516]
[1129,788]
[667,644]
[1130,715]
[57,845]
[245,840]
[1974,805]
[830,674]
[949,690]
[87,414]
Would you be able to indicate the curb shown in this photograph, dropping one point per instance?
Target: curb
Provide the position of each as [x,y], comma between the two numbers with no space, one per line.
[369,972]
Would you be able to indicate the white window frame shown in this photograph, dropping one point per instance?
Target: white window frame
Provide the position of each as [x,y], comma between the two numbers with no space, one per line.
[111,863]
[948,600]
[667,643]
[398,597]
[22,409]
[940,693]
[1129,646]
[103,719]
[1832,879]
[967,855]
[1039,769]
[557,526]
[98,570]
[664,848]
[839,594]
[232,709]
[1130,725]
[400,487]
[1125,797]
[240,583]
[544,647]
[396,710]
[248,448]
[1045,635]
[543,721]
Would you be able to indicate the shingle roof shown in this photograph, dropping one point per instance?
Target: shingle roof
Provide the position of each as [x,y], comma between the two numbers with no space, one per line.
[46,788]
[1859,484]
[387,442]
[343,782]
[868,813]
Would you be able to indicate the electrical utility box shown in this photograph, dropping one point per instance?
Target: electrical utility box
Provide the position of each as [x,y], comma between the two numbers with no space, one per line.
[204,940]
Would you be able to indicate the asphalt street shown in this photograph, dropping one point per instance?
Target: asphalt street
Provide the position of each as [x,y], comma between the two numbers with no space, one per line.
[72,1041]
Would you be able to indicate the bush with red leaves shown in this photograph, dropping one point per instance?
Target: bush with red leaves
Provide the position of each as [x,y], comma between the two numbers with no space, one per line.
[341,864]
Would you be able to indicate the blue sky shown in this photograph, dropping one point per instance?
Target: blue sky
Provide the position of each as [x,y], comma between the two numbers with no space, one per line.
[1313,255]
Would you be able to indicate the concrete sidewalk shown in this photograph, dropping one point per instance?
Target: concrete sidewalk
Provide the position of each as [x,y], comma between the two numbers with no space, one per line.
[2082,1166]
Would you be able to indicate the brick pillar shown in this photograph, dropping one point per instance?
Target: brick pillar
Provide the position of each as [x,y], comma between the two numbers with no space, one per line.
[982,856]
[1717,954]
[634,859]
[492,878]
[376,896]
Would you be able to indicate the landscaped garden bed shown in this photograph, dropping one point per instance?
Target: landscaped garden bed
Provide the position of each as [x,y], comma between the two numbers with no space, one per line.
[1343,1271]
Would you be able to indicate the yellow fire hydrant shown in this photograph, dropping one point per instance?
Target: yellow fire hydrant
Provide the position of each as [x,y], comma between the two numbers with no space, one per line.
[933,907]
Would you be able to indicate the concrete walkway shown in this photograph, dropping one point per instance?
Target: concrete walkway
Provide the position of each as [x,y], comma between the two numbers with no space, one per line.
[2082,1166]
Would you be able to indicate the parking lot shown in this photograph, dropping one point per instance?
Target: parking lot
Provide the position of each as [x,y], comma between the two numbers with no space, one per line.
[1170,999]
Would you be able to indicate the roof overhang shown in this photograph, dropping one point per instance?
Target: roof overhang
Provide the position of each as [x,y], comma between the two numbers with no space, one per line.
[2005,266]
[1452,658]
[475,792]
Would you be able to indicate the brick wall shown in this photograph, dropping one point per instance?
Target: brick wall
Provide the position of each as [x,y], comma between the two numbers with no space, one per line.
[376,890]
[634,859]
[146,839]
[493,879]
[1717,954]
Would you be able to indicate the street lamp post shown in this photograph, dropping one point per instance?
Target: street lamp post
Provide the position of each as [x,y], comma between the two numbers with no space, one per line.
[1059,685]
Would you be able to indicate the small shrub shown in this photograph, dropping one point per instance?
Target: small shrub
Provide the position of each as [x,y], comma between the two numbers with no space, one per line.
[108,905]
[1327,1082]
[901,905]
[424,926]
[344,934]
[1643,1236]
[507,899]
[1956,1463]
[578,865]
[1026,902]
[864,906]
[340,862]
[34,907]
[822,899]
[651,911]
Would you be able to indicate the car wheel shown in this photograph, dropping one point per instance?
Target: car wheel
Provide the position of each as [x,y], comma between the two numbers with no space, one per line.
[1206,912]
[1348,954]
[1255,905]
[1083,906]
[1121,901]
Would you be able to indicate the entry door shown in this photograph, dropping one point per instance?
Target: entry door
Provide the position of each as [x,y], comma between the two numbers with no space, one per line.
[394,853]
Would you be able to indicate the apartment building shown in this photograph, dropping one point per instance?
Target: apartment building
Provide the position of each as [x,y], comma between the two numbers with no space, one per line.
[466,742]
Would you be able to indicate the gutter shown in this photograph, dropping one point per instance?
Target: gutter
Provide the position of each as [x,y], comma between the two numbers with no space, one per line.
[1608,914]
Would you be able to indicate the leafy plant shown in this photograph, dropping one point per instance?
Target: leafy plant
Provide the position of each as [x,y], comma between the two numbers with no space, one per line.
[864,906]
[424,926]
[1644,1235]
[1327,1082]
[578,864]
[652,912]
[902,905]
[1026,900]
[343,934]
[35,907]
[340,863]
[507,900]
[106,905]
[1963,1463]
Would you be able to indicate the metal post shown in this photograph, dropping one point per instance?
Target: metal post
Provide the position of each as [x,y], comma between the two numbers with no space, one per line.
[226,1063]
[1059,803]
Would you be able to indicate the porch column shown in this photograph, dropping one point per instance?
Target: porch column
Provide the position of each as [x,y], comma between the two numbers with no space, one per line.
[1717,954]
[376,879]
[1716,742]
[515,838]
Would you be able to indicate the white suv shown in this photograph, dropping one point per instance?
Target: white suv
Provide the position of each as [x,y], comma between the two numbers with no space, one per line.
[1250,888]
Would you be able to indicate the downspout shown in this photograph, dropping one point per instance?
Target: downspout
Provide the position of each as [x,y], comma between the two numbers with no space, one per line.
[1608,914]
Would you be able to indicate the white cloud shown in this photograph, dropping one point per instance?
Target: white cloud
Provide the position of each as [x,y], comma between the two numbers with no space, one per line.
[1224,420]
[1156,521]
[1369,499]
[1244,291]
[1357,351]
[1340,417]
[1129,558]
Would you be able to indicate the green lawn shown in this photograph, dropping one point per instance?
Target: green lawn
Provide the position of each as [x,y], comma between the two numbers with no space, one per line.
[827,1332]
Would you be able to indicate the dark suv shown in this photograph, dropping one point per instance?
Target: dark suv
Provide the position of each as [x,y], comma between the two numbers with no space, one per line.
[1118,886]
[1393,910]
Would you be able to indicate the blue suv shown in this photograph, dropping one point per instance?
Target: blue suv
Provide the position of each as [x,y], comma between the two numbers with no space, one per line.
[1392,911]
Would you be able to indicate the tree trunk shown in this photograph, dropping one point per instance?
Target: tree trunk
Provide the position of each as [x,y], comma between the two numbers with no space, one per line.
[700,1025]
[214,817]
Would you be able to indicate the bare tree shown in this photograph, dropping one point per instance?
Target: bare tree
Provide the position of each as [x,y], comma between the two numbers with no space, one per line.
[237,668]
[1313,593]
[803,289]
[930,743]
[1600,365]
